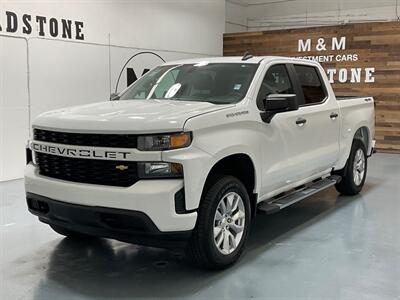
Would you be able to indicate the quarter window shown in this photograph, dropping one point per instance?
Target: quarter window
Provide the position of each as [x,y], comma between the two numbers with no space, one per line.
[311,84]
[276,81]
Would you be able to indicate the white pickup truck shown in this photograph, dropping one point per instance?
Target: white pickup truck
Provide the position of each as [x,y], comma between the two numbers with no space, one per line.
[193,150]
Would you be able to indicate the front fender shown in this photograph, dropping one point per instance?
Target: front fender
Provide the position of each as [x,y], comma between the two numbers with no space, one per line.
[217,135]
[197,164]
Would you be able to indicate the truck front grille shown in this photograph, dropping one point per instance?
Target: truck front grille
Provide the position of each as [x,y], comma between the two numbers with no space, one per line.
[104,172]
[86,139]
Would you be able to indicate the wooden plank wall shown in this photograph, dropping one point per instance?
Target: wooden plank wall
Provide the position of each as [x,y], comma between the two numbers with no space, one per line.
[377,45]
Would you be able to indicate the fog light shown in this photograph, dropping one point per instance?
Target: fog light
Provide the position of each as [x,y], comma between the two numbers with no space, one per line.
[160,170]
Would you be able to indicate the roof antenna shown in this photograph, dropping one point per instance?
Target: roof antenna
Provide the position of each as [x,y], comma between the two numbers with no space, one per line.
[247,56]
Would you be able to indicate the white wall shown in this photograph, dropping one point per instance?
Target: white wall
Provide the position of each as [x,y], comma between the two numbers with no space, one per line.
[14,111]
[236,16]
[262,15]
[42,73]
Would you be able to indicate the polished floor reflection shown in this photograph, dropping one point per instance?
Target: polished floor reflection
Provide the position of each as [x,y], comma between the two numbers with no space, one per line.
[326,247]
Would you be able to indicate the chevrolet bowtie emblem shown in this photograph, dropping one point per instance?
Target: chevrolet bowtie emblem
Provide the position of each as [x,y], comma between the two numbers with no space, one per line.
[121,167]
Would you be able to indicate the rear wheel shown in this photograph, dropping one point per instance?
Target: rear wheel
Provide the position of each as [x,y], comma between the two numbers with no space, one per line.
[355,171]
[222,225]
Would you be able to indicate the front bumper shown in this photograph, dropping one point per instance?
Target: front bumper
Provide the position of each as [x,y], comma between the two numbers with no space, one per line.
[124,225]
[153,198]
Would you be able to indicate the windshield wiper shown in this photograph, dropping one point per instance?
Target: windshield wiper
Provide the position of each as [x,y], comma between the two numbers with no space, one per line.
[194,100]
[114,97]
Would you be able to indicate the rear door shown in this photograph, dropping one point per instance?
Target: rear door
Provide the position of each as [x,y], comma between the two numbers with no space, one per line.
[314,144]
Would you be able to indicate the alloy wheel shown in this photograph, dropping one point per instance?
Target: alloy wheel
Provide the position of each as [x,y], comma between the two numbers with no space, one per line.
[229,223]
[359,167]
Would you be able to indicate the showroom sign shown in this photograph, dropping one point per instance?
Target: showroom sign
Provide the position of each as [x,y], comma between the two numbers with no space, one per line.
[332,46]
[44,26]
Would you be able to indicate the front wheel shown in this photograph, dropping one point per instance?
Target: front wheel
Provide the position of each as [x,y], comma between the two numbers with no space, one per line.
[223,224]
[355,171]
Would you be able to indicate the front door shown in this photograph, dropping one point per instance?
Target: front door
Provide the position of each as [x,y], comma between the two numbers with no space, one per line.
[277,168]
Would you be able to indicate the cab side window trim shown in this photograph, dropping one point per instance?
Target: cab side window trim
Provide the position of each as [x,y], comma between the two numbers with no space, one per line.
[321,81]
[291,87]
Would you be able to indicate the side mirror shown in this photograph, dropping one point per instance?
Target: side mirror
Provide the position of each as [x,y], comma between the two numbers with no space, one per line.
[114,96]
[277,103]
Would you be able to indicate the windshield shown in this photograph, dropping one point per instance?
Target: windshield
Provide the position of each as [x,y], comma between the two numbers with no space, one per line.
[219,83]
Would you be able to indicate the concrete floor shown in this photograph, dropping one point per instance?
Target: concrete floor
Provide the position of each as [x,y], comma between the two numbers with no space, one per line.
[326,247]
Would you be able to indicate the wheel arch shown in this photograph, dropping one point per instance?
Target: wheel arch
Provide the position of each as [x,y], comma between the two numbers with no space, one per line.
[241,166]
[364,135]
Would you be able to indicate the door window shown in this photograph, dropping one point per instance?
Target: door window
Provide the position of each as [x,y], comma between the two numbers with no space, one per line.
[276,81]
[311,84]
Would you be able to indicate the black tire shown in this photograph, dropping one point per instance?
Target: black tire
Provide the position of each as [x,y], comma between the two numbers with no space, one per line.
[201,248]
[348,186]
[67,232]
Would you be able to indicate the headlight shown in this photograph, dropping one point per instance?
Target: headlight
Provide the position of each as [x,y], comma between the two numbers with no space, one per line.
[160,170]
[164,141]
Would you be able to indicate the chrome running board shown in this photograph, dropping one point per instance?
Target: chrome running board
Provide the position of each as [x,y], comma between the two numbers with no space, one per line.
[278,203]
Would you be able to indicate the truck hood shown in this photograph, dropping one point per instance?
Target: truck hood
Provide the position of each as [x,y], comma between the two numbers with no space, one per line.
[142,116]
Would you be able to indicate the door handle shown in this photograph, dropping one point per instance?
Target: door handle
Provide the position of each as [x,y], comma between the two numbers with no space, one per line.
[300,122]
[334,115]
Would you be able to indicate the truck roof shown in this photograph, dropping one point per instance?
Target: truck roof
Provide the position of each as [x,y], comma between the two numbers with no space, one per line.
[236,59]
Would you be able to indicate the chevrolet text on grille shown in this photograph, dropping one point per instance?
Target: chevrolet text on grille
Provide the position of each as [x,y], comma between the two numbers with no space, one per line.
[78,152]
